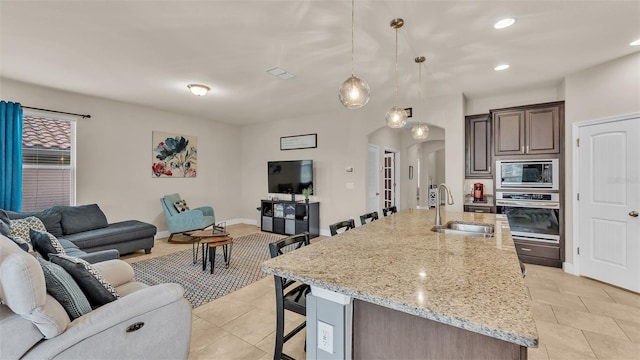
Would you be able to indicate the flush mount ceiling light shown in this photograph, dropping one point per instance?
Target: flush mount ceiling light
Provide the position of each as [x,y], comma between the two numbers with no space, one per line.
[198,90]
[501,67]
[635,43]
[420,131]
[396,117]
[354,92]
[504,23]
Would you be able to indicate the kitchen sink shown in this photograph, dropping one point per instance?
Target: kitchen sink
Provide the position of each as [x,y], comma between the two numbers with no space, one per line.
[465,229]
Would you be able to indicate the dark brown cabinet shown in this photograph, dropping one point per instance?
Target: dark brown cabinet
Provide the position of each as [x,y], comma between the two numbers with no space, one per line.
[528,130]
[478,156]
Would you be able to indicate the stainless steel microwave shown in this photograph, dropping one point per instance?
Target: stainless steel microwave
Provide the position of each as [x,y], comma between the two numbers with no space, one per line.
[528,174]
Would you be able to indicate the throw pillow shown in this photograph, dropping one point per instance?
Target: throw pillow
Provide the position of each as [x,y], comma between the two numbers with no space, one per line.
[50,217]
[24,244]
[45,243]
[92,283]
[65,290]
[77,219]
[21,227]
[181,206]
[5,224]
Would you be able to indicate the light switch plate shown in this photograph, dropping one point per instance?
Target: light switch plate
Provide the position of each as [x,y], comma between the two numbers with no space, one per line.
[325,337]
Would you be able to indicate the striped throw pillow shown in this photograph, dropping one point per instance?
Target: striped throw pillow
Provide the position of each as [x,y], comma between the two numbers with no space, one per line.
[93,284]
[64,289]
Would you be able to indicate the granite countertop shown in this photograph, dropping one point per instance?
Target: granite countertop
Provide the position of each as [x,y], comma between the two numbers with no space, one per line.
[397,262]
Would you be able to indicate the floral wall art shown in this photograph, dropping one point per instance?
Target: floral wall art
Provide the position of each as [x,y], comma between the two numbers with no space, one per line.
[174,155]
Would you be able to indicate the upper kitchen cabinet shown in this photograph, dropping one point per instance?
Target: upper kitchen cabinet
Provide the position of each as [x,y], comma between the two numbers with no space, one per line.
[528,130]
[478,156]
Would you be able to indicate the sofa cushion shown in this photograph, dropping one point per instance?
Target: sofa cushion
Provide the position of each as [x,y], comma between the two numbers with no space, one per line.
[5,224]
[115,233]
[23,289]
[92,283]
[45,243]
[64,289]
[51,218]
[22,227]
[77,219]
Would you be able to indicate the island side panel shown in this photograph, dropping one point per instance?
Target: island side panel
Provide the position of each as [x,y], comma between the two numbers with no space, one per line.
[383,333]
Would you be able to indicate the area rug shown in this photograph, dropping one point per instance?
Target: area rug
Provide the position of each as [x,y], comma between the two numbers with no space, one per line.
[247,256]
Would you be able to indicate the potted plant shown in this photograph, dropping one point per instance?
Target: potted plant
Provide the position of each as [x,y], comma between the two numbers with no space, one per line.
[306,192]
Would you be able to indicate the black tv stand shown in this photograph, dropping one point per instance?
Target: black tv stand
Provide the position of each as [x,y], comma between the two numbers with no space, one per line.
[290,217]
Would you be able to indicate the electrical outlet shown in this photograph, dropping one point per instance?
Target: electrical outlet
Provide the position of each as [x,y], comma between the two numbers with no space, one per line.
[325,337]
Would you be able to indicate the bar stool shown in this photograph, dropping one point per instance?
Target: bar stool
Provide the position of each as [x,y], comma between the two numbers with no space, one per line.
[290,295]
[342,225]
[372,216]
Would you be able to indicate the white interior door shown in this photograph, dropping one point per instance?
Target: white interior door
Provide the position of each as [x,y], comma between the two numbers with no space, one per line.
[373,179]
[609,190]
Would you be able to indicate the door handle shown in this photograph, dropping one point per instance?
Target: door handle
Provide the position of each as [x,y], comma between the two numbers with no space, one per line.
[633,214]
[377,194]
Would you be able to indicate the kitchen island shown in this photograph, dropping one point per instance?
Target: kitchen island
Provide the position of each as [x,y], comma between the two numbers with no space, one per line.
[395,289]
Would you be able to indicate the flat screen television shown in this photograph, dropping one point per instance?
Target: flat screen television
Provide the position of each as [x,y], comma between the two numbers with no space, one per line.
[290,177]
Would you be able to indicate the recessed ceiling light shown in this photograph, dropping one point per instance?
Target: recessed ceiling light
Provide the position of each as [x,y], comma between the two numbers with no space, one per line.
[198,90]
[504,23]
[501,67]
[635,43]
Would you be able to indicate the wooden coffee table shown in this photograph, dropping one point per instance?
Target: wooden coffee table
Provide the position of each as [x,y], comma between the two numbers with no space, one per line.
[210,241]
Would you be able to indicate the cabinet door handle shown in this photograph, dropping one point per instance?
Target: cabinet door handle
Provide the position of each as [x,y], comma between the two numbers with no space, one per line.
[525,249]
[522,149]
[527,148]
[633,214]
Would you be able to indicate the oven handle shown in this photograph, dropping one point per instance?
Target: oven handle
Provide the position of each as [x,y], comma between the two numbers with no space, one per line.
[528,204]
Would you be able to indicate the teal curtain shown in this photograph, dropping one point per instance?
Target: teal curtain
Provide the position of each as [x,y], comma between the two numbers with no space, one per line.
[11,160]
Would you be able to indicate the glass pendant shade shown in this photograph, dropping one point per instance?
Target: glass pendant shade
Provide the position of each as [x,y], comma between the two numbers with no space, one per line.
[420,131]
[396,118]
[354,93]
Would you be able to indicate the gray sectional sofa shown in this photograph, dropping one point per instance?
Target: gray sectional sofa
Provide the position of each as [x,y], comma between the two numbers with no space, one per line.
[87,228]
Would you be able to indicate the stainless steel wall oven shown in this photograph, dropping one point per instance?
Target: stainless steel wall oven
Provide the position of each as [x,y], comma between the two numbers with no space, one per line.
[532,216]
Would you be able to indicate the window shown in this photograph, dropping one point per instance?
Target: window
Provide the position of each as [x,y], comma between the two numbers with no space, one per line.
[48,162]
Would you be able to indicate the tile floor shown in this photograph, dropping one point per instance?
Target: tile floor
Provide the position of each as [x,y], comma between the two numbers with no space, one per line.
[577,318]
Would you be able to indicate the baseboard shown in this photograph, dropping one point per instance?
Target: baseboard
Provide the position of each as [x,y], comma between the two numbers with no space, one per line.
[569,268]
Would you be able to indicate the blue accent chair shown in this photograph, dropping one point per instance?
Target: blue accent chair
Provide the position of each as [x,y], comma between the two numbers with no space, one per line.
[194,219]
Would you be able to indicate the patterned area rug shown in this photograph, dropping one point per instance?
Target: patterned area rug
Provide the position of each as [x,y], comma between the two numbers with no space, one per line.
[247,256]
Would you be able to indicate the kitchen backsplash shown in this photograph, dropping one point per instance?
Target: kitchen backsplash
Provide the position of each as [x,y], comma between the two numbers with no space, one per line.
[488,185]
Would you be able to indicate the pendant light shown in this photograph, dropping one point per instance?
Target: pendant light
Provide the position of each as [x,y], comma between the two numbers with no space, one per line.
[354,92]
[396,117]
[420,131]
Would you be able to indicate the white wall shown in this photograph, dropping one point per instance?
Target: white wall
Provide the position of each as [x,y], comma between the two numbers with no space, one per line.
[114,155]
[342,141]
[606,90]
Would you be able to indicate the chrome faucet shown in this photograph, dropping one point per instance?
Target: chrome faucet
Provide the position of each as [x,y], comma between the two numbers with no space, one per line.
[449,201]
